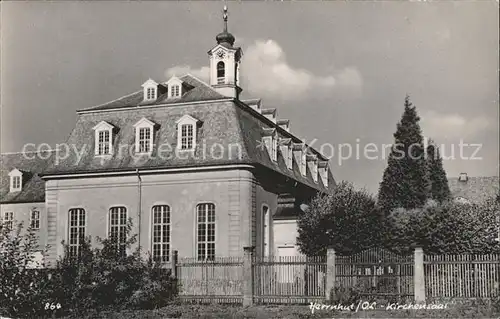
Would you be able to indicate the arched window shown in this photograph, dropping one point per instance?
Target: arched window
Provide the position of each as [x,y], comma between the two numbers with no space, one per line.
[161,233]
[221,72]
[205,239]
[118,228]
[76,231]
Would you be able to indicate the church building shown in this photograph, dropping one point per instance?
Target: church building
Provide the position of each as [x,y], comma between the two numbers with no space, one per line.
[193,167]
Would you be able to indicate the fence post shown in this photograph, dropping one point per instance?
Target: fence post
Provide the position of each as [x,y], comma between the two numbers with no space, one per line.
[175,258]
[247,276]
[418,276]
[330,273]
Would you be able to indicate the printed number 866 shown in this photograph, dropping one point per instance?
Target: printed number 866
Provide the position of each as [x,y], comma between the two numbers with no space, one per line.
[52,306]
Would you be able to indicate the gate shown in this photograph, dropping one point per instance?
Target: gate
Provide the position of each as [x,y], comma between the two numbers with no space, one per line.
[376,273]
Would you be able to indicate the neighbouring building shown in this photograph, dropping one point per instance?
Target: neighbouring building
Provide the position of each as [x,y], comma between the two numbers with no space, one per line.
[473,189]
[194,167]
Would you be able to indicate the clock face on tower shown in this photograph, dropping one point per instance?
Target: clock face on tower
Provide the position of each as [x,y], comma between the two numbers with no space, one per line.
[220,54]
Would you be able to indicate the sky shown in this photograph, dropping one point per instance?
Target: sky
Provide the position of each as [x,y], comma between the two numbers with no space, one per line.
[338,70]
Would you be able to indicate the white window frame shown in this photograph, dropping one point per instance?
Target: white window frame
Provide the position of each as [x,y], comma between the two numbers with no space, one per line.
[208,251]
[175,90]
[289,159]
[35,219]
[161,233]
[8,220]
[78,225]
[174,87]
[315,171]
[118,225]
[150,86]
[16,180]
[104,128]
[303,162]
[182,122]
[142,126]
[323,172]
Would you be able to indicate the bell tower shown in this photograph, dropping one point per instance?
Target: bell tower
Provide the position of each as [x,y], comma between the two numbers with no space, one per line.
[225,63]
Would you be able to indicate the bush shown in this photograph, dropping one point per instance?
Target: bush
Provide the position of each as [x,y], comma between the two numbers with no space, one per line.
[448,228]
[102,278]
[23,288]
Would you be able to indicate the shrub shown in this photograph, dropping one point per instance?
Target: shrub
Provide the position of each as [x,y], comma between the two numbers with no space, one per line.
[23,288]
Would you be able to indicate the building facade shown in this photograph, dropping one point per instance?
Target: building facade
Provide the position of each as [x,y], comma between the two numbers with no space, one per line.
[193,167]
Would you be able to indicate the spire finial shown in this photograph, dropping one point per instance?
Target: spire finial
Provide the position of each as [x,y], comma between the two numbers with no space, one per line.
[225,18]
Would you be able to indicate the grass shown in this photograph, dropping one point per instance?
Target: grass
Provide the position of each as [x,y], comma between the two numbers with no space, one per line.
[467,309]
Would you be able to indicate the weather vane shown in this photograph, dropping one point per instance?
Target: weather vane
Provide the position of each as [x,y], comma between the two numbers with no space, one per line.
[225,18]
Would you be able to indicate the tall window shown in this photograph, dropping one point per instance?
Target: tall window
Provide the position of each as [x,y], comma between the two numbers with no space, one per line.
[186,136]
[35,219]
[221,72]
[76,231]
[205,231]
[144,140]
[265,231]
[8,219]
[103,147]
[175,91]
[161,233]
[16,182]
[150,93]
[118,228]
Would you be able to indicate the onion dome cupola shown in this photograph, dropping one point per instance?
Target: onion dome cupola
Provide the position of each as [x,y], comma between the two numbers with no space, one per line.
[225,63]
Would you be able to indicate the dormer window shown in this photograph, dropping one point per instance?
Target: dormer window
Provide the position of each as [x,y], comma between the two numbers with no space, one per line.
[287,151]
[103,138]
[274,148]
[174,87]
[221,72]
[150,90]
[16,181]
[303,163]
[186,133]
[314,167]
[150,93]
[144,131]
[175,91]
[270,140]
[323,172]
[187,136]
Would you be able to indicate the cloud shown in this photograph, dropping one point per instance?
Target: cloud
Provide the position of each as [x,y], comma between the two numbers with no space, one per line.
[201,73]
[265,72]
[440,125]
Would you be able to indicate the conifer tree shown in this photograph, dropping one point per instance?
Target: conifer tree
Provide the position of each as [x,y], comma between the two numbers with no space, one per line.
[439,189]
[405,183]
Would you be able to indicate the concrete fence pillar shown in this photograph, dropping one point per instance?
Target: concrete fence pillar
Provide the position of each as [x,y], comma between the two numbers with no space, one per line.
[418,276]
[330,273]
[175,259]
[247,276]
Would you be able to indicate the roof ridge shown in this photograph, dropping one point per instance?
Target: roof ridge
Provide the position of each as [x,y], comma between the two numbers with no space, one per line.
[108,102]
[202,82]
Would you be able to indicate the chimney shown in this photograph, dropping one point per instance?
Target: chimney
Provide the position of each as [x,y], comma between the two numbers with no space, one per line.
[463,177]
